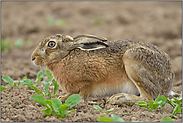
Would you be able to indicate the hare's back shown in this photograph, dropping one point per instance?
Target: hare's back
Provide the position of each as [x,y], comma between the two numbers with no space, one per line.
[155,63]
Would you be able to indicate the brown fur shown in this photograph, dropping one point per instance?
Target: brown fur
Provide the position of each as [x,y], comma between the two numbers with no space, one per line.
[93,67]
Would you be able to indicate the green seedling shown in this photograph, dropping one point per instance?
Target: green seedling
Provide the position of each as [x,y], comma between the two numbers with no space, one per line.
[160,101]
[167,119]
[176,103]
[50,20]
[55,107]
[61,22]
[5,45]
[3,88]
[11,82]
[48,74]
[30,84]
[97,21]
[39,77]
[7,102]
[158,104]
[18,43]
[100,109]
[135,121]
[114,118]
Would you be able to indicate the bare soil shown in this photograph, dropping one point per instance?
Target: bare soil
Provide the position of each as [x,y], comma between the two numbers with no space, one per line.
[155,22]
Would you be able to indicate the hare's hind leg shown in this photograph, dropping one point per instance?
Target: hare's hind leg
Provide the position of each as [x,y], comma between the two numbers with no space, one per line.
[137,73]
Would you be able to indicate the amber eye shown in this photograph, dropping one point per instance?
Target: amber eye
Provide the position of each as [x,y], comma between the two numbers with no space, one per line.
[51,44]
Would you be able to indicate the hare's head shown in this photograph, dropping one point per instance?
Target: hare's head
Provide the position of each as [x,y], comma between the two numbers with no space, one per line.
[54,48]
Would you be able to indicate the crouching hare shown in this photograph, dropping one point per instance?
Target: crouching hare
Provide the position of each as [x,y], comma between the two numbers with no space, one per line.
[91,66]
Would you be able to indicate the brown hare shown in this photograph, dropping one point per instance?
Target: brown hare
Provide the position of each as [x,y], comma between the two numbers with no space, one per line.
[91,66]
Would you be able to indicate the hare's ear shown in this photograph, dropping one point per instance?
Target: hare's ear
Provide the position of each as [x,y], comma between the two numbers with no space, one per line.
[90,42]
[67,38]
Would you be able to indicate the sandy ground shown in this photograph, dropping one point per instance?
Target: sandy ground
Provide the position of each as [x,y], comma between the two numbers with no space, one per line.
[155,22]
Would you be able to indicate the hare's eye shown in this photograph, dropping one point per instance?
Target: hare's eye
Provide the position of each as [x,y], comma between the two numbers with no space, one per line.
[51,44]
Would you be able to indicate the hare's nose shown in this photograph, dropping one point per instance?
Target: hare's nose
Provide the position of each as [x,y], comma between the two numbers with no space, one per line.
[33,58]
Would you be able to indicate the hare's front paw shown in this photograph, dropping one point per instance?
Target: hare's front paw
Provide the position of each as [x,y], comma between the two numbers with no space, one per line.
[124,98]
[63,98]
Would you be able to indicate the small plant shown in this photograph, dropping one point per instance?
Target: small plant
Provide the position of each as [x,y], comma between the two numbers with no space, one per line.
[167,119]
[97,21]
[5,45]
[114,118]
[18,43]
[40,76]
[153,105]
[9,80]
[3,88]
[51,21]
[160,101]
[53,105]
[61,22]
[176,103]
[100,109]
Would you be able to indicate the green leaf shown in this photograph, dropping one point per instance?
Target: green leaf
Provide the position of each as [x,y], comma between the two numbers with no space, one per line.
[7,102]
[157,98]
[49,102]
[163,99]
[39,99]
[169,101]
[143,104]
[97,21]
[176,110]
[156,104]
[24,78]
[104,119]
[56,86]
[8,79]
[167,119]
[48,74]
[47,112]
[5,45]
[73,100]
[46,86]
[116,118]
[61,22]
[50,20]
[30,84]
[3,88]
[108,111]
[68,112]
[98,107]
[16,84]
[177,100]
[151,104]
[64,110]
[39,76]
[56,103]
[18,43]
[49,95]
